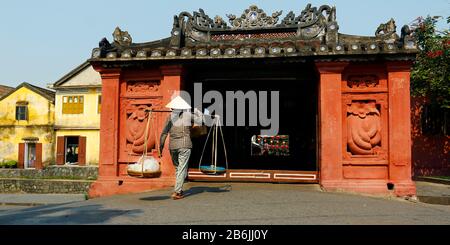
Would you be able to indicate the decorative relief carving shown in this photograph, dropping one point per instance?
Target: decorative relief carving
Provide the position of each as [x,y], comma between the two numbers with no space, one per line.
[122,37]
[363,128]
[310,16]
[386,28]
[387,31]
[312,23]
[142,87]
[362,82]
[240,37]
[135,127]
[253,17]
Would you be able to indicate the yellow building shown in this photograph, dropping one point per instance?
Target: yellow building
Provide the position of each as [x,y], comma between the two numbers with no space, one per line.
[26,126]
[77,113]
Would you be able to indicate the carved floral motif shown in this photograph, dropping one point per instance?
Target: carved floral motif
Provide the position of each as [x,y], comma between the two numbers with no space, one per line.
[364,128]
[142,87]
[136,125]
[361,82]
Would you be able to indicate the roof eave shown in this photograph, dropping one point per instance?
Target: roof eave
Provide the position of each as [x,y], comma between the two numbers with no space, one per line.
[71,74]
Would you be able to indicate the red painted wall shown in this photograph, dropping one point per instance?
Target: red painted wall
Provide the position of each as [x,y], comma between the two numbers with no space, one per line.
[430,153]
[124,93]
[365,127]
[371,99]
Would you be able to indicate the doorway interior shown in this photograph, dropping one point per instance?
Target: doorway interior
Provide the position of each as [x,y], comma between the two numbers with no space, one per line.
[30,155]
[71,150]
[295,147]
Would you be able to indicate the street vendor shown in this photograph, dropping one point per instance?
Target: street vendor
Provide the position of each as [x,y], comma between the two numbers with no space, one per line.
[178,126]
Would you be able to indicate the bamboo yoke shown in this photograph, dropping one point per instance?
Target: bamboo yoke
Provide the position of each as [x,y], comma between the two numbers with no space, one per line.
[212,169]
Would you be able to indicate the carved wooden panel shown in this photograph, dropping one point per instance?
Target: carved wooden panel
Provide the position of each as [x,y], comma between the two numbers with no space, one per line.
[141,88]
[363,82]
[138,127]
[138,96]
[363,128]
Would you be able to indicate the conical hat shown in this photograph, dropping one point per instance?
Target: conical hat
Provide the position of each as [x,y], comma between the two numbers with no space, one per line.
[178,103]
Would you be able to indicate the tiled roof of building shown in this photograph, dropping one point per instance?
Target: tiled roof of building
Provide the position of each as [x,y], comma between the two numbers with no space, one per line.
[255,34]
[5,89]
[71,74]
[48,94]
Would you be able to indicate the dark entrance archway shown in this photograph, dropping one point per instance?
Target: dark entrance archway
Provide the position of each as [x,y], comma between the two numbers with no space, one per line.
[296,83]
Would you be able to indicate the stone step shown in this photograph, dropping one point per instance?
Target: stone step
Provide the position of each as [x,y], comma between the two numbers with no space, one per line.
[44,186]
[53,172]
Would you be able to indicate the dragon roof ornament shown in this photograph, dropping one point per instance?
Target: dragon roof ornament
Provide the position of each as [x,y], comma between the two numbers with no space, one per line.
[311,23]
[310,16]
[313,32]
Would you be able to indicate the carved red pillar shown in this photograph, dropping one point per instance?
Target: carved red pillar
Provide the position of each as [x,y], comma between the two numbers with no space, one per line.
[109,122]
[330,119]
[170,84]
[400,128]
[112,176]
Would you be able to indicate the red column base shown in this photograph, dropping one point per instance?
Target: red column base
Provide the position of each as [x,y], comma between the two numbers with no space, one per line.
[404,188]
[107,186]
[371,187]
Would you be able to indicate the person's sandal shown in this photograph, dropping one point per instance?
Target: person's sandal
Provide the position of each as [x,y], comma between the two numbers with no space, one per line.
[177,196]
[173,195]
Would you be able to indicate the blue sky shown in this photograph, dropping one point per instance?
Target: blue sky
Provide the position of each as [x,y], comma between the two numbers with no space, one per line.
[43,40]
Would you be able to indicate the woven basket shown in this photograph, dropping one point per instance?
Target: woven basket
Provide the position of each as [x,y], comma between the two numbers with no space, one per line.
[145,173]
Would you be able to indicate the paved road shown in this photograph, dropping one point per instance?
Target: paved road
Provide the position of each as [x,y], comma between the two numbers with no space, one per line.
[236,203]
[39,199]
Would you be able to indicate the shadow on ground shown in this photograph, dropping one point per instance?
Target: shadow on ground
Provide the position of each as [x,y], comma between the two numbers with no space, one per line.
[155,198]
[437,200]
[64,214]
[200,189]
[191,192]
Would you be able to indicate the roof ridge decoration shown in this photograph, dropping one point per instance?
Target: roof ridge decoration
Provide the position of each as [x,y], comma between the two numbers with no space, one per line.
[253,17]
[315,31]
[197,28]
[122,37]
[310,16]
[387,31]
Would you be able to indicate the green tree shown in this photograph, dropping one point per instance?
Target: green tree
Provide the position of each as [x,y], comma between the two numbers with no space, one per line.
[430,76]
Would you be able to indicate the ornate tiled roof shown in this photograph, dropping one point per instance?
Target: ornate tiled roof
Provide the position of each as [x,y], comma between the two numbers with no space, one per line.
[255,34]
